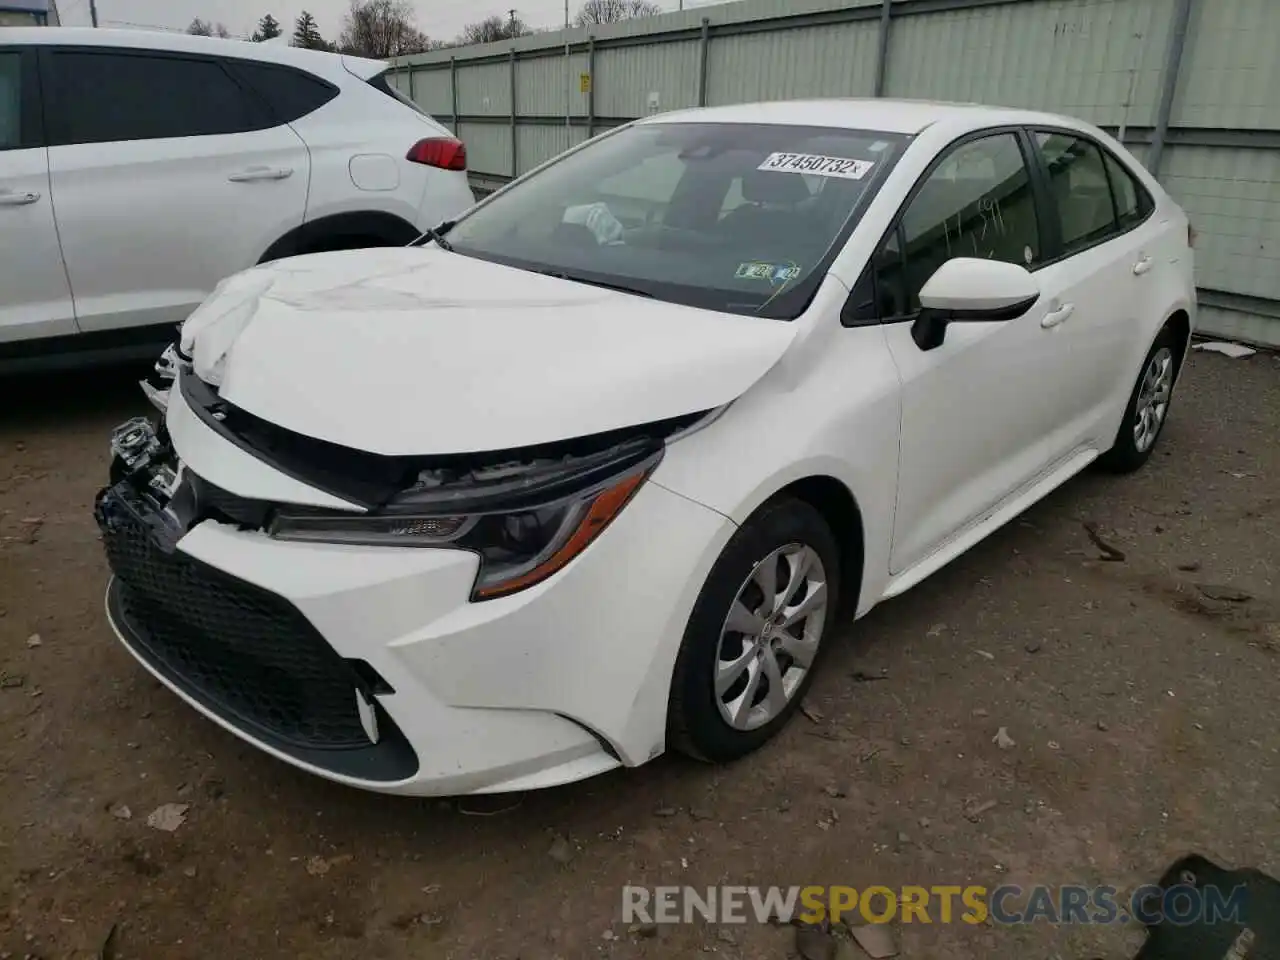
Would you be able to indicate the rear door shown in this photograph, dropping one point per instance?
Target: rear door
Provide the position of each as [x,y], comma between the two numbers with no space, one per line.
[1101,261]
[168,174]
[35,299]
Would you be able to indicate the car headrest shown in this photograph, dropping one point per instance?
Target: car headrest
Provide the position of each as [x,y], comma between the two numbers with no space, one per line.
[770,186]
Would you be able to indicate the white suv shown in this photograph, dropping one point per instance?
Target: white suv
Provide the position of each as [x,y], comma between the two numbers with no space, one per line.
[137,170]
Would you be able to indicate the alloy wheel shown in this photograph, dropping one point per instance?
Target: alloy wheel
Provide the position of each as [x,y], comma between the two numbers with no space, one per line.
[770,637]
[1153,400]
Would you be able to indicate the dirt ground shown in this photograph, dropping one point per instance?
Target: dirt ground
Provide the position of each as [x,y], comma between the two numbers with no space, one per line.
[1144,709]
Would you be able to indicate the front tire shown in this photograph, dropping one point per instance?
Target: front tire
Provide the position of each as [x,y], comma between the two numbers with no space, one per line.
[1148,408]
[756,633]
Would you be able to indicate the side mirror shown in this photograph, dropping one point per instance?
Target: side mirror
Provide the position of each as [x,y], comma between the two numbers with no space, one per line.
[967,289]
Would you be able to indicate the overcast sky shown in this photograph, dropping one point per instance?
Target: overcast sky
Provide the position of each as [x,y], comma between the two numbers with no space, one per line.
[441,19]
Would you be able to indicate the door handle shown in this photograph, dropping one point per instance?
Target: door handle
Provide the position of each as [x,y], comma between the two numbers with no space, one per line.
[1142,266]
[261,173]
[10,199]
[1055,317]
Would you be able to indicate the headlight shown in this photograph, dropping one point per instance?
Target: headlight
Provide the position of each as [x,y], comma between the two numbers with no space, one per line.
[524,528]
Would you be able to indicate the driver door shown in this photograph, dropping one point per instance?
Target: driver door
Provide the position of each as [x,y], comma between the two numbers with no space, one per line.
[981,412]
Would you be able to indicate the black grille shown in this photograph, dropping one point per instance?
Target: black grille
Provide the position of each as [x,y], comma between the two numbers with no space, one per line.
[247,652]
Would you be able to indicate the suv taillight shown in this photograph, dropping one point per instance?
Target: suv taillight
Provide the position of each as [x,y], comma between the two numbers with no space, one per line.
[446,153]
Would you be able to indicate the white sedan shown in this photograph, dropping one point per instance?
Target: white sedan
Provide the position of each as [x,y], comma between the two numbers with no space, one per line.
[595,470]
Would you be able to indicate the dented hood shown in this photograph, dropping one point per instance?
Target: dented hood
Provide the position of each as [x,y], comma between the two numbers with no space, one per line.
[419,351]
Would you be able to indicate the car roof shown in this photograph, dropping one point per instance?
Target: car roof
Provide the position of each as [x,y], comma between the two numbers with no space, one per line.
[317,61]
[888,116]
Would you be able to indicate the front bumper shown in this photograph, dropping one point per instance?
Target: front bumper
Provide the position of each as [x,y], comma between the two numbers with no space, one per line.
[302,649]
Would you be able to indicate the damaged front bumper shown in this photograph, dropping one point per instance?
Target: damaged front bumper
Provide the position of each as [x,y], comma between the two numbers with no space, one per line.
[162,379]
[371,665]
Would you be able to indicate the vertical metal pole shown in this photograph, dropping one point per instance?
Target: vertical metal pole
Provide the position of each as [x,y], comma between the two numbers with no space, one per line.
[1172,68]
[93,12]
[453,93]
[591,87]
[703,42]
[514,152]
[882,53]
[412,93]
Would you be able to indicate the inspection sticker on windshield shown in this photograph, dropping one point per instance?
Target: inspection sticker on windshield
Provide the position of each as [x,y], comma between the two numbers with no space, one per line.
[775,273]
[821,166]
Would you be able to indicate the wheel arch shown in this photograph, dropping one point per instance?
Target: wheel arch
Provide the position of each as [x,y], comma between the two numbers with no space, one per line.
[338,230]
[1180,320]
[837,505]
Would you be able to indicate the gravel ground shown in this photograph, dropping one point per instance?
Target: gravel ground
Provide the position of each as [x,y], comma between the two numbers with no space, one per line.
[1143,708]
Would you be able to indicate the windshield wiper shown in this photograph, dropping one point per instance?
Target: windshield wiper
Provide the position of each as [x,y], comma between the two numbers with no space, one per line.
[605,284]
[436,233]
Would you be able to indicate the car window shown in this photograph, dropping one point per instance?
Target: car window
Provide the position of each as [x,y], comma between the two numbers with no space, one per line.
[105,97]
[291,94]
[977,202]
[382,84]
[1133,202]
[1079,189]
[10,100]
[742,218]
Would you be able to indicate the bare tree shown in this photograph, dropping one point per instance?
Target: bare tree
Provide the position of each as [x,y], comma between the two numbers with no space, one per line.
[381,29]
[493,29]
[612,11]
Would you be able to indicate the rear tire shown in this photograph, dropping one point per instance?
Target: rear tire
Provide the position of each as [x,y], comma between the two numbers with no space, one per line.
[1148,407]
[758,631]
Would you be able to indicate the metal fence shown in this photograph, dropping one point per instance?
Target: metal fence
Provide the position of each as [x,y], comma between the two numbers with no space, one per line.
[1191,86]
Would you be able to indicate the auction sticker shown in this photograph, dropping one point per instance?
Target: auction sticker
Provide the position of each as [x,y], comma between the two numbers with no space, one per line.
[842,167]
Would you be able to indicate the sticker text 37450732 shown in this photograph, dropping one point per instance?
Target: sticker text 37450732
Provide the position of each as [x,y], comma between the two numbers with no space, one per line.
[818,165]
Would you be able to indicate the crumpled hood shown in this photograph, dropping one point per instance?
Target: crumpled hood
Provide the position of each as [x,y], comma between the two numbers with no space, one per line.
[416,351]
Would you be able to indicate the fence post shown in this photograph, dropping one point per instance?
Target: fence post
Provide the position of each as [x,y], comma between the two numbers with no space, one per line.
[453,94]
[882,52]
[591,87]
[514,152]
[1172,68]
[704,42]
[412,93]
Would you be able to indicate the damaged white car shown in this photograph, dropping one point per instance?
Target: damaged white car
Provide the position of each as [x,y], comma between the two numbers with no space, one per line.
[591,472]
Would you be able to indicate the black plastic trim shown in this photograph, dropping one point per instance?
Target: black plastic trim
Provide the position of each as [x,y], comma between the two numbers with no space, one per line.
[212,411]
[930,326]
[386,229]
[370,480]
[390,760]
[75,350]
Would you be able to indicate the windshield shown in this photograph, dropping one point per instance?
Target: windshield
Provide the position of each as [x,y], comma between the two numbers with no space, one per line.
[742,218]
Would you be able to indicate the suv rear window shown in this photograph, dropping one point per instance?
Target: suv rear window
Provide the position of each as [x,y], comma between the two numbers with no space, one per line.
[106,96]
[383,85]
[289,93]
[10,100]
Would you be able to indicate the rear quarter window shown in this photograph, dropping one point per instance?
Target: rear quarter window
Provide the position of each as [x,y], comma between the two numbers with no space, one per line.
[290,94]
[382,84]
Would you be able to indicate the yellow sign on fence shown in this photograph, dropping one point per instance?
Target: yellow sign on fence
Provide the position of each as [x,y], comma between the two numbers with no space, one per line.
[584,82]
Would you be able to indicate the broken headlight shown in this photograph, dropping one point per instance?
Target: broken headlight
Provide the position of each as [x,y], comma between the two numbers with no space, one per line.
[525,524]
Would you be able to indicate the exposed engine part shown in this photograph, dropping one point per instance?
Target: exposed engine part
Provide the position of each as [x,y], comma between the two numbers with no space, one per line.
[135,443]
[137,448]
